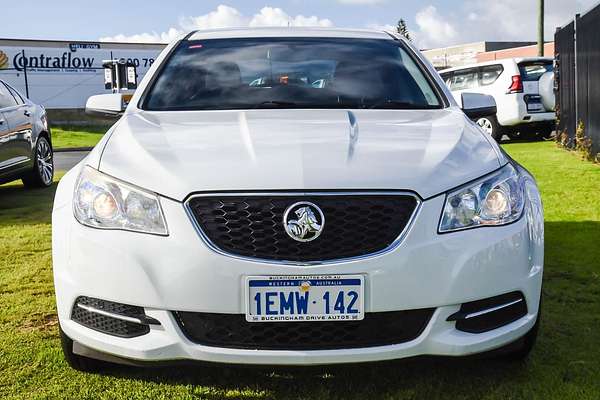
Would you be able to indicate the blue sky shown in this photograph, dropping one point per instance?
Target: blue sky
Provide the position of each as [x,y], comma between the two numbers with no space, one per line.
[433,23]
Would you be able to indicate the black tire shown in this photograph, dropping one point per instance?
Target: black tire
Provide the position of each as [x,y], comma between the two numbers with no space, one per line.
[77,362]
[514,135]
[491,127]
[546,133]
[523,134]
[42,174]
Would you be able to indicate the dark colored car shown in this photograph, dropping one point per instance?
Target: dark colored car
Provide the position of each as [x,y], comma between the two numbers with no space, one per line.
[25,141]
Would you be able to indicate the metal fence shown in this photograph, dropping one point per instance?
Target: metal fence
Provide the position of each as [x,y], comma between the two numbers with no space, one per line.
[578,77]
[564,47]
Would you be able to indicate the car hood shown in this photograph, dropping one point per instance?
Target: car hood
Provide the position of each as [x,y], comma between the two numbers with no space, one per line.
[177,153]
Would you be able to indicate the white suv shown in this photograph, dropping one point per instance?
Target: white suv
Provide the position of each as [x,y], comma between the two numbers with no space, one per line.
[522,88]
[296,197]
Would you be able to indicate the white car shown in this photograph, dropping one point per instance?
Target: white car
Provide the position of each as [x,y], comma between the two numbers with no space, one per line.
[278,223]
[522,88]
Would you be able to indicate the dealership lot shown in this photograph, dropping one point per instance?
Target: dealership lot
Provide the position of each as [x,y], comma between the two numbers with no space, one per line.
[564,364]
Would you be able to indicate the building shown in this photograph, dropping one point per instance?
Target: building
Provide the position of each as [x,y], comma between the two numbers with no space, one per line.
[61,75]
[516,52]
[464,54]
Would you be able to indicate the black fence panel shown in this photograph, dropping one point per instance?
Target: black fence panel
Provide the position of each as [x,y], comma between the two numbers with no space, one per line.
[588,75]
[578,78]
[564,42]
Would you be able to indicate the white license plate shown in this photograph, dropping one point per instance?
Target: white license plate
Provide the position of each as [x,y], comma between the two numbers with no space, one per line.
[308,298]
[534,107]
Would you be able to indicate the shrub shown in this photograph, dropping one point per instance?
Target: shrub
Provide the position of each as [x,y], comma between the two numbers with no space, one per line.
[583,144]
[563,140]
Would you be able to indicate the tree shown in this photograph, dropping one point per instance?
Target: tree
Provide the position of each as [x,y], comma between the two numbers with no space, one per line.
[402,29]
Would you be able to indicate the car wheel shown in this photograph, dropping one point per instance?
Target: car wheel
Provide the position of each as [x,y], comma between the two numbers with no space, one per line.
[546,133]
[490,126]
[525,134]
[75,361]
[43,166]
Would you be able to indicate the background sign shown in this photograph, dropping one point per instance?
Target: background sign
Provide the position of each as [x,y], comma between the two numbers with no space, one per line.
[64,76]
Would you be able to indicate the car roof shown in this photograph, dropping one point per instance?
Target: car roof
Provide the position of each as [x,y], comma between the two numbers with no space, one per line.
[496,62]
[289,32]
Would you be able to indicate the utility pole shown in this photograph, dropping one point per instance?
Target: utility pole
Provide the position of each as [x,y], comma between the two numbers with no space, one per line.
[540,28]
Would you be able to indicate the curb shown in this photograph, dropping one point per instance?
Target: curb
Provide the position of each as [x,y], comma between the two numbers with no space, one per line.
[70,149]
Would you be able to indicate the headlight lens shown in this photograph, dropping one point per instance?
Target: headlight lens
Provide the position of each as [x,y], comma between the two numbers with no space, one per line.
[104,202]
[494,200]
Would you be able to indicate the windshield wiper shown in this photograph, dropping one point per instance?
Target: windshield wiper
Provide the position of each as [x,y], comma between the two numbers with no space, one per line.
[275,103]
[396,104]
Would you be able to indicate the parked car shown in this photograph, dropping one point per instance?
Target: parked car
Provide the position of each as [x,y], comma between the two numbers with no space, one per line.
[522,88]
[25,142]
[366,218]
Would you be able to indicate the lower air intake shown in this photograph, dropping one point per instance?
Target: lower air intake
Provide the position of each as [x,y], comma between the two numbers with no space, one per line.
[491,313]
[233,331]
[104,323]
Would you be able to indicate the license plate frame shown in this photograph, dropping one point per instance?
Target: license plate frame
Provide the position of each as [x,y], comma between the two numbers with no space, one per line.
[296,287]
[534,104]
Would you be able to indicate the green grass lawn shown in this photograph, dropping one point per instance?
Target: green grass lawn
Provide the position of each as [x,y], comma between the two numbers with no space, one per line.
[565,364]
[72,136]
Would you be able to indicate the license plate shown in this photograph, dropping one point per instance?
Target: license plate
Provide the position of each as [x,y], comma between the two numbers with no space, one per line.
[305,298]
[534,103]
[534,107]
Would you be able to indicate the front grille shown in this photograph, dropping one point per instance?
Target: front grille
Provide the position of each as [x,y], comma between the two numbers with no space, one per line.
[252,226]
[105,324]
[232,331]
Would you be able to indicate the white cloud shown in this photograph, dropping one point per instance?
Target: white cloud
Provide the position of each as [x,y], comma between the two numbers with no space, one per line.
[385,27]
[146,37]
[468,21]
[223,17]
[362,2]
[269,16]
[434,29]
[477,20]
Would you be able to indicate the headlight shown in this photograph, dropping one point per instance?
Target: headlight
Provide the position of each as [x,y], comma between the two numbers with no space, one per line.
[104,202]
[497,199]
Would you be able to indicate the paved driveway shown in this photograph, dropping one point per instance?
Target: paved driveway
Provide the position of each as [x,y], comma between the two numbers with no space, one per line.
[65,160]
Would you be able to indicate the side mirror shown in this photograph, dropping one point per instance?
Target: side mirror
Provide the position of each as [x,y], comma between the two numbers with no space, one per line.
[112,104]
[477,105]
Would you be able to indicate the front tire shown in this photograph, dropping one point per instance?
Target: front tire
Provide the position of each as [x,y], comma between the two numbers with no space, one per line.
[42,174]
[75,361]
[491,127]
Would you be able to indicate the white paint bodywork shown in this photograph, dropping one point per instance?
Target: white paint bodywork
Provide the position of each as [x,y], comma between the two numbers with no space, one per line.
[178,153]
[427,151]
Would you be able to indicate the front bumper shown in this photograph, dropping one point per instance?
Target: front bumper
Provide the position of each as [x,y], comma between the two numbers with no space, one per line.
[180,273]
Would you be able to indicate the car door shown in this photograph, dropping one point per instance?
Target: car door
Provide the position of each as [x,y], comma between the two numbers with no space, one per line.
[18,115]
[24,120]
[4,130]
[7,102]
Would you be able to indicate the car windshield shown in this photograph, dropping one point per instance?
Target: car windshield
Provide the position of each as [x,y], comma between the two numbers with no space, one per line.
[221,74]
